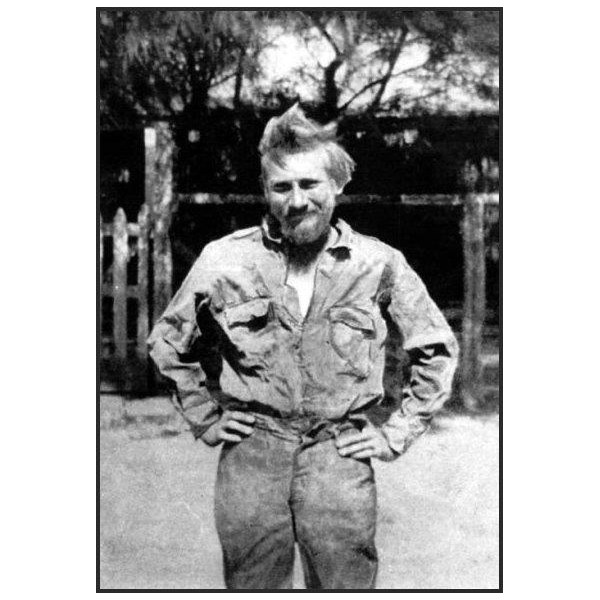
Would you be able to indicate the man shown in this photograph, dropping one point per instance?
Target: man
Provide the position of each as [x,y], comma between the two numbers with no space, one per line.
[275,342]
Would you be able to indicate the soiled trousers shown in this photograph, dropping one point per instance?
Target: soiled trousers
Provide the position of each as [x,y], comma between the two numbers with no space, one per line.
[279,487]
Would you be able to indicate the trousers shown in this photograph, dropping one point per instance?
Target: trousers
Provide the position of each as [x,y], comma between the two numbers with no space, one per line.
[283,486]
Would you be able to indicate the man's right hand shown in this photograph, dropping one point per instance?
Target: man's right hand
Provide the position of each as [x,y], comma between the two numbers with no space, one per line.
[233,426]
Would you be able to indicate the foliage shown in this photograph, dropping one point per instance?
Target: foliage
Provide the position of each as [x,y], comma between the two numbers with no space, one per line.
[162,64]
[374,52]
[176,64]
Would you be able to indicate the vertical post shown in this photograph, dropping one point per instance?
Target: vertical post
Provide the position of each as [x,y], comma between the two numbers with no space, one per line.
[100,278]
[159,196]
[149,166]
[121,255]
[142,324]
[474,301]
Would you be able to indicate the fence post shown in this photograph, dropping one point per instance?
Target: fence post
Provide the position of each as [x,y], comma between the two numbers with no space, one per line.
[160,199]
[471,371]
[100,277]
[121,254]
[142,324]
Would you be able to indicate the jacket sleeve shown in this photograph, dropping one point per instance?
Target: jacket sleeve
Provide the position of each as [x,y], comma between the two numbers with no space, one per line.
[174,347]
[432,350]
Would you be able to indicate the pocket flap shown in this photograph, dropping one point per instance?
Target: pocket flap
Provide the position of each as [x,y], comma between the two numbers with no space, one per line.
[352,316]
[247,312]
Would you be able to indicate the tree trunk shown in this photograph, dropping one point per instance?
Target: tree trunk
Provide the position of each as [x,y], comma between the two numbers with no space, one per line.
[239,80]
[331,92]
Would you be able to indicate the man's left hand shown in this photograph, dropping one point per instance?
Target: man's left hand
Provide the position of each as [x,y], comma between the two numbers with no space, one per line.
[367,443]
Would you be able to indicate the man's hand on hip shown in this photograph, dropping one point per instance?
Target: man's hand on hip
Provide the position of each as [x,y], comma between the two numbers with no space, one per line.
[367,443]
[233,426]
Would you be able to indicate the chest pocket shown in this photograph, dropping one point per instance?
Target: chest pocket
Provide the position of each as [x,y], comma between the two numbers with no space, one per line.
[352,334]
[250,330]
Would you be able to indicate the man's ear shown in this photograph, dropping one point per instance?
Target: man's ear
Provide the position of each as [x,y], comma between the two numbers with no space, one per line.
[339,189]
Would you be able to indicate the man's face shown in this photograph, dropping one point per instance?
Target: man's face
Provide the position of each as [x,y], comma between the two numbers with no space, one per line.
[301,195]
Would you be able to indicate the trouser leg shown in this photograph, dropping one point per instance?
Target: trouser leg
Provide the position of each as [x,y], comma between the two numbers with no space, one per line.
[335,506]
[253,515]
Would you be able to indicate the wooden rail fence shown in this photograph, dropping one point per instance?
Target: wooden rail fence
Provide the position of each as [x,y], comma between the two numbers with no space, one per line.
[134,292]
[115,283]
[125,304]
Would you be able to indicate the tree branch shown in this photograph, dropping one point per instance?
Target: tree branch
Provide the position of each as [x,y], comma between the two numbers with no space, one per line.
[326,34]
[239,78]
[392,63]
[305,73]
[383,79]
[361,92]
[223,79]
[411,69]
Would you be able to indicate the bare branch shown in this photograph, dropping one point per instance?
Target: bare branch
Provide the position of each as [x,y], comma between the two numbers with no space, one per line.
[319,25]
[223,79]
[361,92]
[387,77]
[309,75]
[392,63]
[411,69]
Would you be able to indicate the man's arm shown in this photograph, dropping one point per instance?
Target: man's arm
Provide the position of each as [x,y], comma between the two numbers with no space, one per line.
[432,350]
[173,346]
[433,354]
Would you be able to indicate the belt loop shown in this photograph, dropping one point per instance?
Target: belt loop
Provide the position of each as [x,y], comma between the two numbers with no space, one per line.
[335,429]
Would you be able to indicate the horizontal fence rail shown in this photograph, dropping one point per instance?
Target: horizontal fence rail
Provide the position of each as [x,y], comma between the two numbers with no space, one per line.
[400,199]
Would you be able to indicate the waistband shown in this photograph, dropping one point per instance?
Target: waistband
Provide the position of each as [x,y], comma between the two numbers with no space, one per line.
[306,427]
[311,432]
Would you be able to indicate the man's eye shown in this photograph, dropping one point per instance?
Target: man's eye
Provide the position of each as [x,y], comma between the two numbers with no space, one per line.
[308,184]
[282,187]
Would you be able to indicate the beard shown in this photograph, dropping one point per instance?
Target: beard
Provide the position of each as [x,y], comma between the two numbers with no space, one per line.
[306,230]
[306,239]
[301,256]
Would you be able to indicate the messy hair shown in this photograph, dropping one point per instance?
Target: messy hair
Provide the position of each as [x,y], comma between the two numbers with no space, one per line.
[292,133]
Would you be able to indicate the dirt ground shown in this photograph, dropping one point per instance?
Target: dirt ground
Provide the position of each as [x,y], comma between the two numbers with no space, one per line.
[438,524]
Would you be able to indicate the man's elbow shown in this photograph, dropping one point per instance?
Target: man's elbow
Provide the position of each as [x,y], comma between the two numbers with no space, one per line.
[454,353]
[158,350]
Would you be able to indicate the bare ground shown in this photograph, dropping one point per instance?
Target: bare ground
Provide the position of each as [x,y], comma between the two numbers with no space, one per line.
[438,505]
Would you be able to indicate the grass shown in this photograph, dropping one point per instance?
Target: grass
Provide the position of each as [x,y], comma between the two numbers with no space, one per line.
[438,505]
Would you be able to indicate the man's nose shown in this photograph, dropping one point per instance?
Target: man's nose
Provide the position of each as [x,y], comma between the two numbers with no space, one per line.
[297,197]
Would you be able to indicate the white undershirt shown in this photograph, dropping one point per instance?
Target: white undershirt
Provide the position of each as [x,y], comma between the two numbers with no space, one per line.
[304,284]
[303,281]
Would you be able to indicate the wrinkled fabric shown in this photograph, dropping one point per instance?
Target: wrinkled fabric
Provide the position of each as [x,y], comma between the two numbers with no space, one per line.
[285,484]
[234,335]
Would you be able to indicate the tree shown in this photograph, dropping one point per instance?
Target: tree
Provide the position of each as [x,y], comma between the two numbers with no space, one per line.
[178,63]
[369,55]
[163,64]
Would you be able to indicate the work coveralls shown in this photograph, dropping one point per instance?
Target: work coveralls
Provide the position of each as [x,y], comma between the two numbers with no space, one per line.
[234,337]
